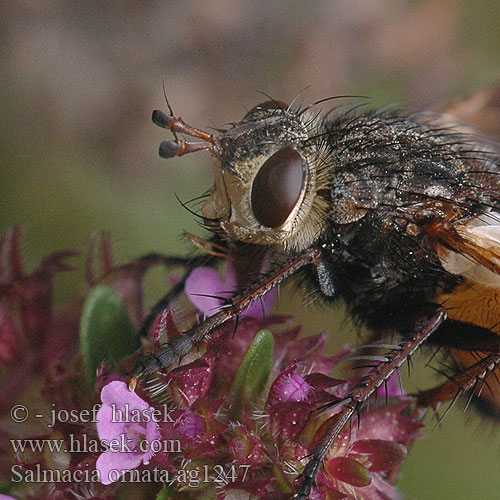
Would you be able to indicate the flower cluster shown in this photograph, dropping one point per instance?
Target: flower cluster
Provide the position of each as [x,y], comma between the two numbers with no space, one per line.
[234,420]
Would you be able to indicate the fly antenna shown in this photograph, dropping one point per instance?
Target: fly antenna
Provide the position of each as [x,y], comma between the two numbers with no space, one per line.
[170,149]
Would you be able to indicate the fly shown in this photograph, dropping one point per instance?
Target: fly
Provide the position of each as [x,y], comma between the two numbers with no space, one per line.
[396,214]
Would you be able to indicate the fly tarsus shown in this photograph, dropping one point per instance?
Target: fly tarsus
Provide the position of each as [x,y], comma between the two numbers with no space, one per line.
[424,325]
[163,357]
[178,347]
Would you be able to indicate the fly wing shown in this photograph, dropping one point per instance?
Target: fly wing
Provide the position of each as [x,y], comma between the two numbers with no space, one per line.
[471,249]
[480,110]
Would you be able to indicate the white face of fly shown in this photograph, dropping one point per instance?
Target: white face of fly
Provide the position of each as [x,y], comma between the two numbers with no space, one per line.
[267,179]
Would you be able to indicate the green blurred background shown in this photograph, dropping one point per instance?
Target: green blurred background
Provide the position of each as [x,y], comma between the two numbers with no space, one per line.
[79,80]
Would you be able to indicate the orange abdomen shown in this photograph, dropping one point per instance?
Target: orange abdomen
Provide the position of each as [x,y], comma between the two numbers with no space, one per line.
[478,305]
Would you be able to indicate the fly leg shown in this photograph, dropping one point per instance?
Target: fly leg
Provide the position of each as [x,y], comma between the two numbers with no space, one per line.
[476,351]
[179,346]
[214,252]
[353,403]
[175,291]
[474,378]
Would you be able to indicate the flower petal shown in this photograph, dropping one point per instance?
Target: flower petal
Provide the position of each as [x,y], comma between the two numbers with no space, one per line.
[112,465]
[190,425]
[383,455]
[117,393]
[293,388]
[192,381]
[107,429]
[153,437]
[202,288]
[261,307]
[348,471]
[387,423]
[392,387]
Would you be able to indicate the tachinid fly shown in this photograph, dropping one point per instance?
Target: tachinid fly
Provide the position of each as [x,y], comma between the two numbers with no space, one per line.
[397,214]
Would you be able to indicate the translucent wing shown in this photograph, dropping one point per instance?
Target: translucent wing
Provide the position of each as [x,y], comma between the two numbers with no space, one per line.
[472,249]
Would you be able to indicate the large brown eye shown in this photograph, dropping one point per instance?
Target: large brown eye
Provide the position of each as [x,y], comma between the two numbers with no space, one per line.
[277,187]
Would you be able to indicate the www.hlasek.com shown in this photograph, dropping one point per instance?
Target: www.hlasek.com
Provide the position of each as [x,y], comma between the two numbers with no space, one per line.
[81,443]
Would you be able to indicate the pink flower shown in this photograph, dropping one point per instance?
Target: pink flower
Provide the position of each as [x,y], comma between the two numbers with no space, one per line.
[264,444]
[293,388]
[392,387]
[126,423]
[360,460]
[292,399]
[207,290]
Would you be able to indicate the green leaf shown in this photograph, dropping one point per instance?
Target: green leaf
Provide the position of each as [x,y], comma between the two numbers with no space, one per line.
[282,484]
[165,493]
[106,332]
[253,372]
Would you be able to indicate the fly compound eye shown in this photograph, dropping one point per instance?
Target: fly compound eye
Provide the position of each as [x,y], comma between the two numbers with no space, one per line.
[277,187]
